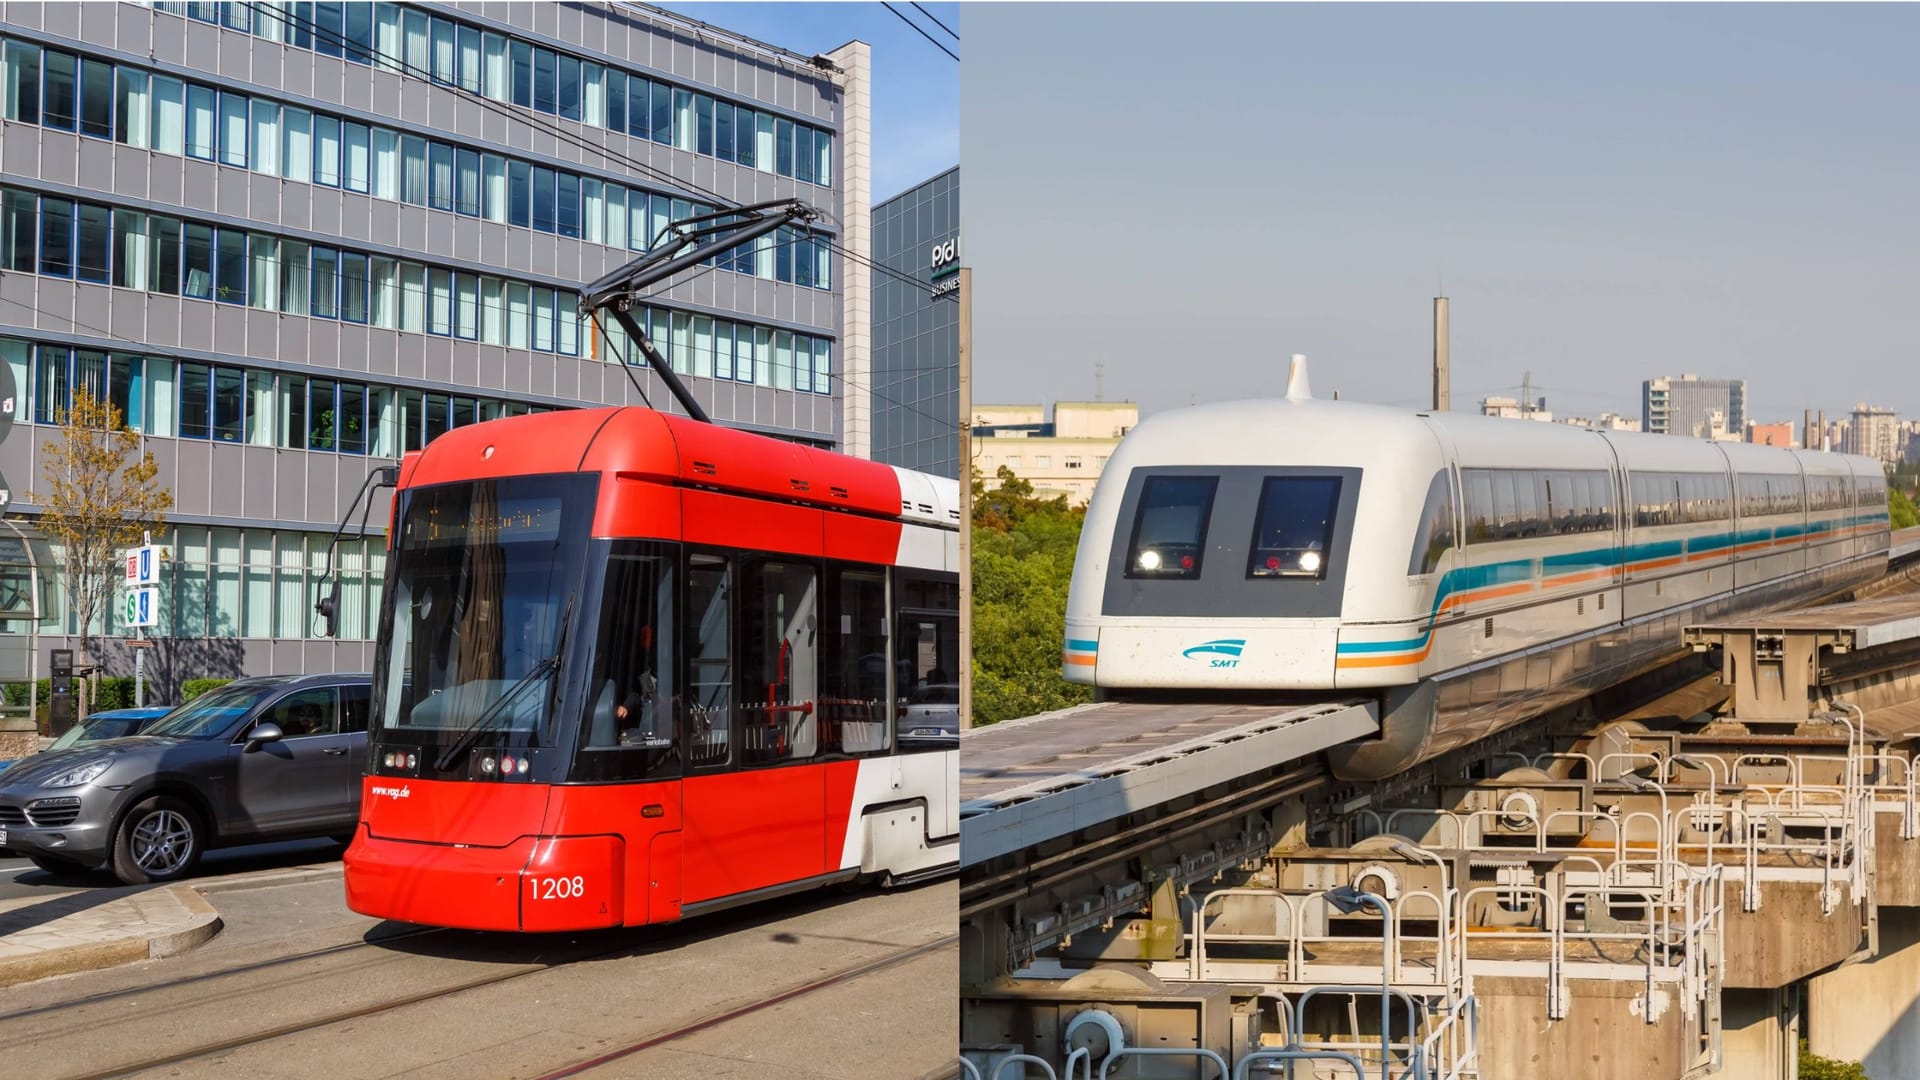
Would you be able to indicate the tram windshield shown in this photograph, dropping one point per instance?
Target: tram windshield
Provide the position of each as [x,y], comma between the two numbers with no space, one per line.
[475,625]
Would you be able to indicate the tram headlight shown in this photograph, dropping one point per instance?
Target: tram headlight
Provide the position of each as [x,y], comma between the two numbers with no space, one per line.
[488,765]
[1310,561]
[1149,560]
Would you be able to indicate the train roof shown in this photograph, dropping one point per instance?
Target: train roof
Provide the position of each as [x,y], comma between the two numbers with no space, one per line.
[644,443]
[1278,430]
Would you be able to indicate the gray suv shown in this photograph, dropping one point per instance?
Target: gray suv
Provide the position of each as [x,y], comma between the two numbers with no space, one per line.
[269,758]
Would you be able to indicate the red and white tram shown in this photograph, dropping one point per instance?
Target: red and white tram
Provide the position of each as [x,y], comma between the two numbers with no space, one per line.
[633,668]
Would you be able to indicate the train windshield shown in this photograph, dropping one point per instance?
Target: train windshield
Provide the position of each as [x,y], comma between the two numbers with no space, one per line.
[1293,529]
[485,581]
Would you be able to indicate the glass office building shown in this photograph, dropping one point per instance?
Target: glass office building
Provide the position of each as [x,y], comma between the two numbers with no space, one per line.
[916,327]
[293,241]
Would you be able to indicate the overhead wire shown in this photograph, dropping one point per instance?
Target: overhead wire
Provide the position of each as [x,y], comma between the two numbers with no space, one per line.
[553,128]
[935,20]
[916,29]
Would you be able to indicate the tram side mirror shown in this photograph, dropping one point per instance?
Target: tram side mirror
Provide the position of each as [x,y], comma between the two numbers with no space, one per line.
[329,609]
[263,733]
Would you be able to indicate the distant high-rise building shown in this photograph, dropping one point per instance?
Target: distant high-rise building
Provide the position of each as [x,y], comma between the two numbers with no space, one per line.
[916,327]
[1060,457]
[1512,408]
[1685,405]
[1874,433]
[1780,434]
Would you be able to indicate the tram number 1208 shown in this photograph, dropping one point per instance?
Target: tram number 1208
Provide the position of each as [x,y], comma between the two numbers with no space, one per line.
[557,888]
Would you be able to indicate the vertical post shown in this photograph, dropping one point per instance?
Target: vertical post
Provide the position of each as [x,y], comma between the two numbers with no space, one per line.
[140,674]
[1442,363]
[965,412]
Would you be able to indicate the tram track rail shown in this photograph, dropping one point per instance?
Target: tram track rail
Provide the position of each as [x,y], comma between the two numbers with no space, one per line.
[738,1012]
[79,1019]
[249,968]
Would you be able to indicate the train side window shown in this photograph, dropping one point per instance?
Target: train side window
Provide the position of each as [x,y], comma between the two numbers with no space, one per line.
[779,643]
[1170,528]
[853,663]
[1435,531]
[927,654]
[1506,517]
[1526,504]
[631,695]
[1545,523]
[1293,527]
[709,707]
[1482,520]
[1583,499]
[1562,503]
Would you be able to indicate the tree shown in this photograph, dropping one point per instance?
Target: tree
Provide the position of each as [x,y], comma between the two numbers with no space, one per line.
[1901,510]
[100,500]
[1023,551]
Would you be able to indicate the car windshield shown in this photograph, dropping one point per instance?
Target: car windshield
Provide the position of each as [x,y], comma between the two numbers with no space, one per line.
[481,577]
[94,731]
[211,714]
[936,694]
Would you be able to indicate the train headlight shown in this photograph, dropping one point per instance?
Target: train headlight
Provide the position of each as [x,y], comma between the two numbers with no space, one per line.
[1310,561]
[1149,560]
[487,765]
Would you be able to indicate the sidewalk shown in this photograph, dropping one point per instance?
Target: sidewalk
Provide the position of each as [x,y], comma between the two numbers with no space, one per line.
[82,931]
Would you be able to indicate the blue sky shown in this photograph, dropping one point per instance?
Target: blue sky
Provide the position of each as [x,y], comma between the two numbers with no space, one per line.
[1612,192]
[916,87]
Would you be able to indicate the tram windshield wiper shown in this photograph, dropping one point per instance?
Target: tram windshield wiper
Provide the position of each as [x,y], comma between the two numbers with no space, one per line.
[471,733]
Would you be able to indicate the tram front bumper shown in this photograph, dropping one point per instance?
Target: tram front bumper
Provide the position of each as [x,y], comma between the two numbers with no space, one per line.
[533,883]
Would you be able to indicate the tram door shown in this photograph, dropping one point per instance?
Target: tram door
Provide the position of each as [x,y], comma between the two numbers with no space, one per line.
[755,811]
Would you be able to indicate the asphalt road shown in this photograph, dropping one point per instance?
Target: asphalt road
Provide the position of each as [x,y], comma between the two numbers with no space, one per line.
[296,986]
[21,879]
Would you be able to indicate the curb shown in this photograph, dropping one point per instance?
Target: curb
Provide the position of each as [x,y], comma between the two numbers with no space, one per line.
[202,926]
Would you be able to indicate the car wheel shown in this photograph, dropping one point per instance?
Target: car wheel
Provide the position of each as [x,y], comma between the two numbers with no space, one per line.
[158,840]
[58,867]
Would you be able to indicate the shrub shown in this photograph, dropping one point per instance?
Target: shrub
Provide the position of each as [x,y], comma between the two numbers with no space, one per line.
[1815,1067]
[193,688]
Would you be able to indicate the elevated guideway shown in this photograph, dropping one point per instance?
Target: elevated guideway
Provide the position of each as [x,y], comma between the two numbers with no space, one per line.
[1028,781]
[1778,663]
[1665,881]
[1905,547]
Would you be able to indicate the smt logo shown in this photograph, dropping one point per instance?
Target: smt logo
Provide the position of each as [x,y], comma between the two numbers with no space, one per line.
[1220,652]
[393,793]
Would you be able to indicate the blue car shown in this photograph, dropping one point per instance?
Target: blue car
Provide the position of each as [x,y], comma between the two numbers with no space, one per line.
[108,724]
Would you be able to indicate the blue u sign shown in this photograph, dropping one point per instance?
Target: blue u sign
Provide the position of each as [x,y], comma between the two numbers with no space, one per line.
[146,567]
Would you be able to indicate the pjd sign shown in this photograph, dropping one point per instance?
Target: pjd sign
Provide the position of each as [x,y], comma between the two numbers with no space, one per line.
[946,258]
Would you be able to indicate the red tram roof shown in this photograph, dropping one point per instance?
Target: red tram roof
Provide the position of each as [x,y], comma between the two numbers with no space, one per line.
[646,444]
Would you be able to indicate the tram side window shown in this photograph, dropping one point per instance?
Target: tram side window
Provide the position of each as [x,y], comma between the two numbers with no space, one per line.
[631,695]
[1435,533]
[853,663]
[927,653]
[709,709]
[779,644]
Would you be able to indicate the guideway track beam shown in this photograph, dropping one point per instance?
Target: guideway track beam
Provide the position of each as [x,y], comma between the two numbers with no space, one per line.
[1054,775]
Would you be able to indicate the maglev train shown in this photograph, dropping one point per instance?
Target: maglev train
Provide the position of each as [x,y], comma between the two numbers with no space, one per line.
[1467,572]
